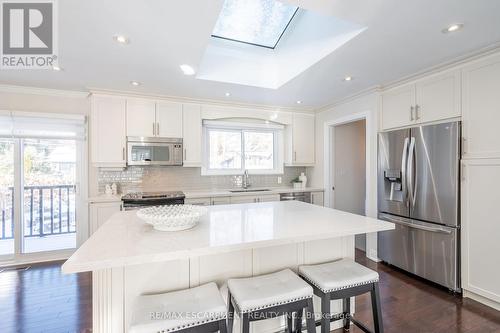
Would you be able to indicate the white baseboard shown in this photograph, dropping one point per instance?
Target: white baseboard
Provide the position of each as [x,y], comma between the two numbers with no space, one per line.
[481,299]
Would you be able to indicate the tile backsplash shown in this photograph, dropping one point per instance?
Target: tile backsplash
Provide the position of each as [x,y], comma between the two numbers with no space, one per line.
[151,178]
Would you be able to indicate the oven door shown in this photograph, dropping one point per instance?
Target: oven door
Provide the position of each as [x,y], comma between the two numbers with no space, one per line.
[153,153]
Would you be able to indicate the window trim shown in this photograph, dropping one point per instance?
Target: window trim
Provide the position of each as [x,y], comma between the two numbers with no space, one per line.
[278,146]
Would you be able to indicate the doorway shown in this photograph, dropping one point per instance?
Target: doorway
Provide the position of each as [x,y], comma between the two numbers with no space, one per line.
[349,170]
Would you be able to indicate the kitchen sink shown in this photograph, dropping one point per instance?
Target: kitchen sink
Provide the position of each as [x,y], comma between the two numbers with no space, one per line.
[250,190]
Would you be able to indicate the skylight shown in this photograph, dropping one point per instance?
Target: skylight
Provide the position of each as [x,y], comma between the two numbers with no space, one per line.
[256,22]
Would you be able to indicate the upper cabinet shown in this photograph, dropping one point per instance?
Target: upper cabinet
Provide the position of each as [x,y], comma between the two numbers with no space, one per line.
[148,118]
[191,133]
[108,131]
[431,99]
[300,138]
[481,108]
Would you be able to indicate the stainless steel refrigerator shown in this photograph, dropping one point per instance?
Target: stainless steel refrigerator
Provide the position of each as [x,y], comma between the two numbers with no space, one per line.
[418,190]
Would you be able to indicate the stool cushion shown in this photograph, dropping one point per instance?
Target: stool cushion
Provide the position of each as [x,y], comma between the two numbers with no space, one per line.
[338,275]
[178,310]
[265,291]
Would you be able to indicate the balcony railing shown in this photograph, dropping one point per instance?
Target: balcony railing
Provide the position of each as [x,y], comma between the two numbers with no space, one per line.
[48,210]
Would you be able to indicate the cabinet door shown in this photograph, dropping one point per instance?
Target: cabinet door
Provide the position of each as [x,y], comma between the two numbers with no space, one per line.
[317,198]
[481,227]
[191,133]
[268,198]
[438,97]
[220,201]
[169,120]
[141,118]
[303,139]
[101,212]
[481,109]
[108,132]
[243,199]
[397,107]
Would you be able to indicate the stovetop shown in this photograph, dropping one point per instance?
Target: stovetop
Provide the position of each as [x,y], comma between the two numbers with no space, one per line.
[154,195]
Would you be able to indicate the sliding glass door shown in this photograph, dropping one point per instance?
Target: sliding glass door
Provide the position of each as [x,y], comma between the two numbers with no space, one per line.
[40,169]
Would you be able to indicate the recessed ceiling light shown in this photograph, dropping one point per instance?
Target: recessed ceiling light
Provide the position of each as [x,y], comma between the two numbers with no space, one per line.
[56,68]
[187,70]
[121,39]
[299,102]
[135,83]
[348,78]
[227,94]
[452,28]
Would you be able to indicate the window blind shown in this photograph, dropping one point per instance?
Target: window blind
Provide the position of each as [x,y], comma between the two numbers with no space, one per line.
[16,124]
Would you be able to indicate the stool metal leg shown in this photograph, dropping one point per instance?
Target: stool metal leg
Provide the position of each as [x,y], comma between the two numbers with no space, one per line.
[230,313]
[346,305]
[376,309]
[298,322]
[325,313]
[222,326]
[289,320]
[310,321]
[245,323]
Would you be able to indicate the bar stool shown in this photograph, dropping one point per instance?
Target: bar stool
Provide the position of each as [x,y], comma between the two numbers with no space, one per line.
[343,279]
[195,310]
[267,296]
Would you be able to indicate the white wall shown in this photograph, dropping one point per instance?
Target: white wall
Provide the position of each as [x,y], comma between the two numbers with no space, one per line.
[368,104]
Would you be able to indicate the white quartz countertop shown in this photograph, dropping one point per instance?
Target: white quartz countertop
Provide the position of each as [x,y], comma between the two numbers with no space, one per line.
[126,240]
[193,194]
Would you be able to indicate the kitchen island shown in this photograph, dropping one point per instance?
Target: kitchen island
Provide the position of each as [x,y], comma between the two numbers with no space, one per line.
[128,258]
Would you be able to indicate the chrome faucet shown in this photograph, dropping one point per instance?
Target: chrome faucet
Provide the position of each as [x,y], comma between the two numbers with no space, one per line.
[245,183]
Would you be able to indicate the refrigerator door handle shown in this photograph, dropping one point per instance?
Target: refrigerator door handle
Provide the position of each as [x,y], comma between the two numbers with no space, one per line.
[414,226]
[411,172]
[404,163]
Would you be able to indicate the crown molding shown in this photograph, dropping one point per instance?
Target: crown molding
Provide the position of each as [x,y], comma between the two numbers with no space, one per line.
[6,88]
[350,98]
[180,99]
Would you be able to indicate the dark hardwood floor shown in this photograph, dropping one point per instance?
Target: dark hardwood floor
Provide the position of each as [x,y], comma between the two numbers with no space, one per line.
[42,299]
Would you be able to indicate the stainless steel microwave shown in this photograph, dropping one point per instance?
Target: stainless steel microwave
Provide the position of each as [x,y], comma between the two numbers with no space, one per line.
[154,151]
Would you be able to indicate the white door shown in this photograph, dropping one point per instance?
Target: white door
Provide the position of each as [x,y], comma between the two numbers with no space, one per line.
[303,139]
[169,119]
[397,107]
[191,134]
[141,118]
[438,97]
[108,131]
[481,227]
[481,109]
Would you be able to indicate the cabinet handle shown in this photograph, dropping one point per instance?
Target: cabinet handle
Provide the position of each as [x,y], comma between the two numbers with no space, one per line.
[295,156]
[158,129]
[463,173]
[464,146]
[185,153]
[123,153]
[154,131]
[417,108]
[411,112]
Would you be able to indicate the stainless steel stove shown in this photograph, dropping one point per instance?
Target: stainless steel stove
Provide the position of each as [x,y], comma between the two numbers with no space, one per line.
[138,200]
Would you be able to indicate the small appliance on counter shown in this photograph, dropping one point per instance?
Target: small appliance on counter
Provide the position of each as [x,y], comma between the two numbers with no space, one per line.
[138,200]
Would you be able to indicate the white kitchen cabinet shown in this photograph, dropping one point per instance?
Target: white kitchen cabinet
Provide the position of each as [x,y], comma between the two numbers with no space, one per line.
[430,99]
[141,119]
[481,108]
[169,120]
[108,131]
[317,198]
[268,198]
[220,201]
[100,212]
[191,134]
[299,144]
[198,201]
[398,107]
[255,198]
[481,228]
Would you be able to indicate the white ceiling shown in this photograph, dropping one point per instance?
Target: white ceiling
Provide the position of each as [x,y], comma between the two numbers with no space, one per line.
[402,37]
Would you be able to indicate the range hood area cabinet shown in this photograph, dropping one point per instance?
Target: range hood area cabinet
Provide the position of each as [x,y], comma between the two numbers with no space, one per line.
[147,118]
[299,140]
[433,98]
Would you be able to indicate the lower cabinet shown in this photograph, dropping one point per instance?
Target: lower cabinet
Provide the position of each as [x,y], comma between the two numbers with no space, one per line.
[317,198]
[198,201]
[100,212]
[220,201]
[481,230]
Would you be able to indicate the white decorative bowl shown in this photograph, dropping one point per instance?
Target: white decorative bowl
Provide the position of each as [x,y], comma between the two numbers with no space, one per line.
[173,217]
